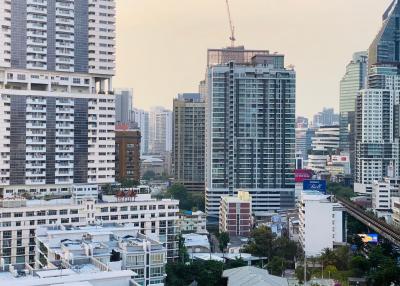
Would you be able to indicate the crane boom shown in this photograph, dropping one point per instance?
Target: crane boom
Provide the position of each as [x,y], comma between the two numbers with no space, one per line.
[231,26]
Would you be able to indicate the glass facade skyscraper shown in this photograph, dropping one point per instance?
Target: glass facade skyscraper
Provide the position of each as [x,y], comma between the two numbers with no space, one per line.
[352,82]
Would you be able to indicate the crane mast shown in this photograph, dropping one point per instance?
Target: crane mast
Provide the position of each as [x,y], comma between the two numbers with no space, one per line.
[231,26]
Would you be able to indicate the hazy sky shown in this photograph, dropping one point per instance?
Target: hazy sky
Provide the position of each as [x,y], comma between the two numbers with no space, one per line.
[162,44]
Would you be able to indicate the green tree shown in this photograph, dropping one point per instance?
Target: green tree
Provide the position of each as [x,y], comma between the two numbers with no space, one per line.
[261,241]
[359,266]
[223,240]
[277,266]
[283,247]
[238,262]
[299,272]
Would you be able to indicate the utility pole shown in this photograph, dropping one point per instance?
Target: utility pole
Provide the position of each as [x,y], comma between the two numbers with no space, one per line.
[305,268]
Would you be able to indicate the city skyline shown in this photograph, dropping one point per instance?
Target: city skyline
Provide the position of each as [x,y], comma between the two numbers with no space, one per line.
[182,26]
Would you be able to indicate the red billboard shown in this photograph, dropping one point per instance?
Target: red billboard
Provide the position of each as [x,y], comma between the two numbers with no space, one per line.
[302,174]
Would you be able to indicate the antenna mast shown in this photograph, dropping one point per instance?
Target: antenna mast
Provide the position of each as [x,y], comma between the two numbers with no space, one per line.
[231,26]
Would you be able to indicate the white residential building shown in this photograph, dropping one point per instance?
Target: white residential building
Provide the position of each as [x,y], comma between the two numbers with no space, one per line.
[192,222]
[160,130]
[384,192]
[196,243]
[19,219]
[57,110]
[325,142]
[322,223]
[114,246]
[141,118]
[85,274]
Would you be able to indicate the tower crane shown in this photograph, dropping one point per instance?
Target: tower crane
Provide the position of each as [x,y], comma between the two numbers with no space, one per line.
[231,26]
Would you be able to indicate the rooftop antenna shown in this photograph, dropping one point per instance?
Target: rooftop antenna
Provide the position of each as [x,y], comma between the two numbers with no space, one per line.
[231,26]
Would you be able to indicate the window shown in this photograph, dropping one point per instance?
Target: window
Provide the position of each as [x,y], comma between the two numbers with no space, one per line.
[73,212]
[52,212]
[156,271]
[157,258]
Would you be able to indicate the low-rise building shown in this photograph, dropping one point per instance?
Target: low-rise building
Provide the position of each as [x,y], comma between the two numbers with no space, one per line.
[249,275]
[192,222]
[111,246]
[235,214]
[84,273]
[196,243]
[19,219]
[322,223]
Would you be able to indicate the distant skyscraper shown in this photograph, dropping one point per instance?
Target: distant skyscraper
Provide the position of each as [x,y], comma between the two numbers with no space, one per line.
[189,141]
[160,130]
[378,109]
[301,122]
[352,82]
[250,128]
[57,110]
[141,119]
[325,142]
[327,117]
[123,105]
[303,141]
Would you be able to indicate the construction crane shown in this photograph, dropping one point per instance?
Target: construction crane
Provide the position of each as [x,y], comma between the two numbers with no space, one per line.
[231,26]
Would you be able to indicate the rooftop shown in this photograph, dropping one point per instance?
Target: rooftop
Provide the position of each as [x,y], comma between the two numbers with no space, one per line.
[249,275]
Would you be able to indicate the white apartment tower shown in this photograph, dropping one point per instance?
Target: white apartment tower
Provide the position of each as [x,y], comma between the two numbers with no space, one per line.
[250,129]
[57,111]
[160,130]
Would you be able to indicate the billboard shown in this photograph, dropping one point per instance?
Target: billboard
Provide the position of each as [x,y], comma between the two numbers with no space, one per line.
[315,185]
[301,174]
[369,238]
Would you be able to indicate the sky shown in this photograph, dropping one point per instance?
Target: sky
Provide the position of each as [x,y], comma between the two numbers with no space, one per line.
[162,44]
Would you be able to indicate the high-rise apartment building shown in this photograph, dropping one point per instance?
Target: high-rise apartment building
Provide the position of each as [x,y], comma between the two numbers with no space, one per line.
[127,155]
[123,105]
[160,130]
[57,60]
[188,141]
[141,119]
[250,129]
[378,109]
